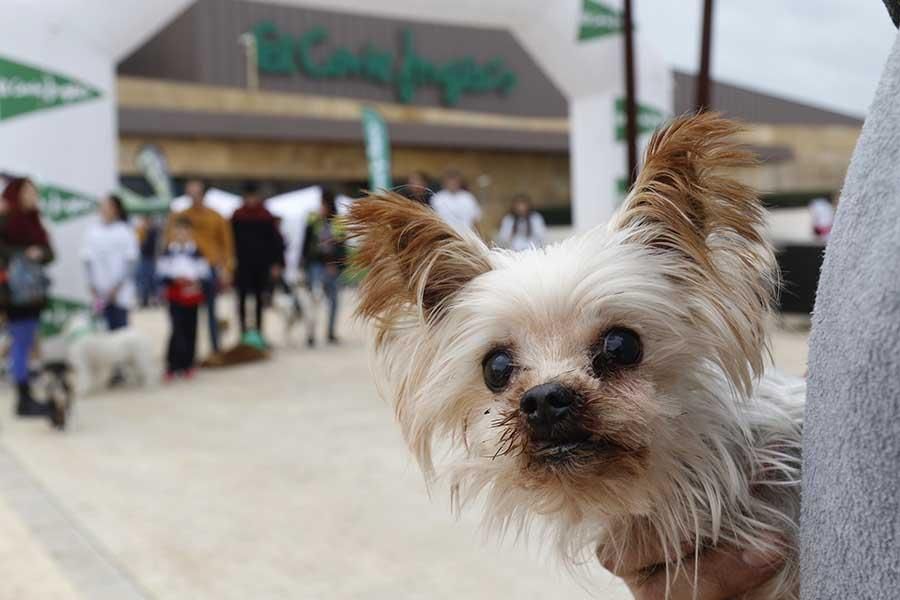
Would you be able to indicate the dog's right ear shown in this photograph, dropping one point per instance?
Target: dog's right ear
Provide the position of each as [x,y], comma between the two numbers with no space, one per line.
[410,257]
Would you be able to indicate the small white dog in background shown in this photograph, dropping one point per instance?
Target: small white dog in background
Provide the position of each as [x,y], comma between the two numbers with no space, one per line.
[95,354]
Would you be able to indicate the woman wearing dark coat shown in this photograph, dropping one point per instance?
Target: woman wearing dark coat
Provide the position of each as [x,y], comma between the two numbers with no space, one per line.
[260,254]
[24,239]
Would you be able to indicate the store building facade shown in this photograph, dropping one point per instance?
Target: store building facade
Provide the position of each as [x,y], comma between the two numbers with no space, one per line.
[453,97]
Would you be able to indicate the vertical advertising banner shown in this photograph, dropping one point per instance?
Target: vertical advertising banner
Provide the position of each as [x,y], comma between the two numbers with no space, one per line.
[57,127]
[153,165]
[378,149]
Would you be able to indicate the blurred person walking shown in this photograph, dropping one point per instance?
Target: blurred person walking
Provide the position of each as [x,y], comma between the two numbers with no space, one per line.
[821,214]
[260,254]
[25,250]
[110,254]
[322,259]
[523,227]
[182,270]
[148,231]
[417,188]
[212,234]
[456,205]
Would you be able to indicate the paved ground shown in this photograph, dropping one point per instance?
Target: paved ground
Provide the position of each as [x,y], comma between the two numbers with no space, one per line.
[286,479]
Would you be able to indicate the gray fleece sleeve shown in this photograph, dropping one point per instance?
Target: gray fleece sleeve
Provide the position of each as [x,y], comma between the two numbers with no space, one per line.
[850,524]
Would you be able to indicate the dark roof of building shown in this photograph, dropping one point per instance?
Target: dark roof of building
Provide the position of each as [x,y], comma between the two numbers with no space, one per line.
[756,107]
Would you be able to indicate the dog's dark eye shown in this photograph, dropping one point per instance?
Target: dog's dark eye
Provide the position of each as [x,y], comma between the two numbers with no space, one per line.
[498,368]
[619,347]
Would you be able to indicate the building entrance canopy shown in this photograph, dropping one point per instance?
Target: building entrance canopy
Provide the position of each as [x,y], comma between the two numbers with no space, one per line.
[58,105]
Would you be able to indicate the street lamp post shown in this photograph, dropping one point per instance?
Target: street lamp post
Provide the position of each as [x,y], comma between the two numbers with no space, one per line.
[703,78]
[630,95]
[248,41]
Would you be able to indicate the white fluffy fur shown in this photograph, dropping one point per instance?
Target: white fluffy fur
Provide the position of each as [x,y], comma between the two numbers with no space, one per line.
[716,434]
[710,445]
[94,356]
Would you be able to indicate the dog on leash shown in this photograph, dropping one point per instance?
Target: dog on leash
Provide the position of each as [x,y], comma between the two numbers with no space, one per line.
[95,355]
[51,383]
[610,389]
[292,302]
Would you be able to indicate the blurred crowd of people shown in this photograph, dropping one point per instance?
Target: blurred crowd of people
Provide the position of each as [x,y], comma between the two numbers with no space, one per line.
[522,227]
[186,259]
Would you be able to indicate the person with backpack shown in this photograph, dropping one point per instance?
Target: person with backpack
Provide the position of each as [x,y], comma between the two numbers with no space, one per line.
[25,252]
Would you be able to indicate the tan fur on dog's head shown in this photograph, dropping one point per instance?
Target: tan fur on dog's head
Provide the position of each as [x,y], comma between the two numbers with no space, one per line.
[412,258]
[683,202]
[644,338]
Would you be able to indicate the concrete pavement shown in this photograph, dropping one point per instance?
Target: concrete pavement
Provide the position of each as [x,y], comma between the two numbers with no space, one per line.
[286,479]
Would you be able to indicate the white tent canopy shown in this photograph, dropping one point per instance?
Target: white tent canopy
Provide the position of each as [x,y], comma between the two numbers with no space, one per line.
[224,203]
[294,208]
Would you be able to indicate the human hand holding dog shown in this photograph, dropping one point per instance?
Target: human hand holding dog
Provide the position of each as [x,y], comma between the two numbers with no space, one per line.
[723,572]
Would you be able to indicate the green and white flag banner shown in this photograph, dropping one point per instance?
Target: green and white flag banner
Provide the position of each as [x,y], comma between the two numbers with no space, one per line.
[152,163]
[25,88]
[67,214]
[649,118]
[57,122]
[598,20]
[59,205]
[378,149]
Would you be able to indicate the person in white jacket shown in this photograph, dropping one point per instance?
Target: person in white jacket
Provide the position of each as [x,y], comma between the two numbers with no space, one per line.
[523,227]
[110,255]
[456,205]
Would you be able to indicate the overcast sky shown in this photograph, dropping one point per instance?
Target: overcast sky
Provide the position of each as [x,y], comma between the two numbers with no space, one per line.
[824,52]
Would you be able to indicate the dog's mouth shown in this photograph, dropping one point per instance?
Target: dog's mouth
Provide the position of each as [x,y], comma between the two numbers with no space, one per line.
[565,451]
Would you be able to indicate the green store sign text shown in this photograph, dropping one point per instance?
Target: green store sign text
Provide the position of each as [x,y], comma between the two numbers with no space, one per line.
[283,54]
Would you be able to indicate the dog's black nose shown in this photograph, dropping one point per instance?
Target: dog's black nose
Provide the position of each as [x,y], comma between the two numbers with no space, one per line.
[546,405]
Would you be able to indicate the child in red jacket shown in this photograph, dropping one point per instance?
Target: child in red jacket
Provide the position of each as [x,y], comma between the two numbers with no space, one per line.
[181,269]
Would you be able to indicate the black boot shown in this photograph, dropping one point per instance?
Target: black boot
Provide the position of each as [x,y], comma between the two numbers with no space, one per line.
[27,406]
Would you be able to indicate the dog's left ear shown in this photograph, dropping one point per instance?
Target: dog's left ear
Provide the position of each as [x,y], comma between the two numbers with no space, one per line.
[410,257]
[687,205]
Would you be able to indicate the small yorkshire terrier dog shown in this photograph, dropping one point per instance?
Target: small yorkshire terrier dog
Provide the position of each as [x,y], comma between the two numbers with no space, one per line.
[610,389]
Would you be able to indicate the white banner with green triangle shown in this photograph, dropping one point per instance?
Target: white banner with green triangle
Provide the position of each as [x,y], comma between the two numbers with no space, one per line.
[57,126]
[598,20]
[25,88]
